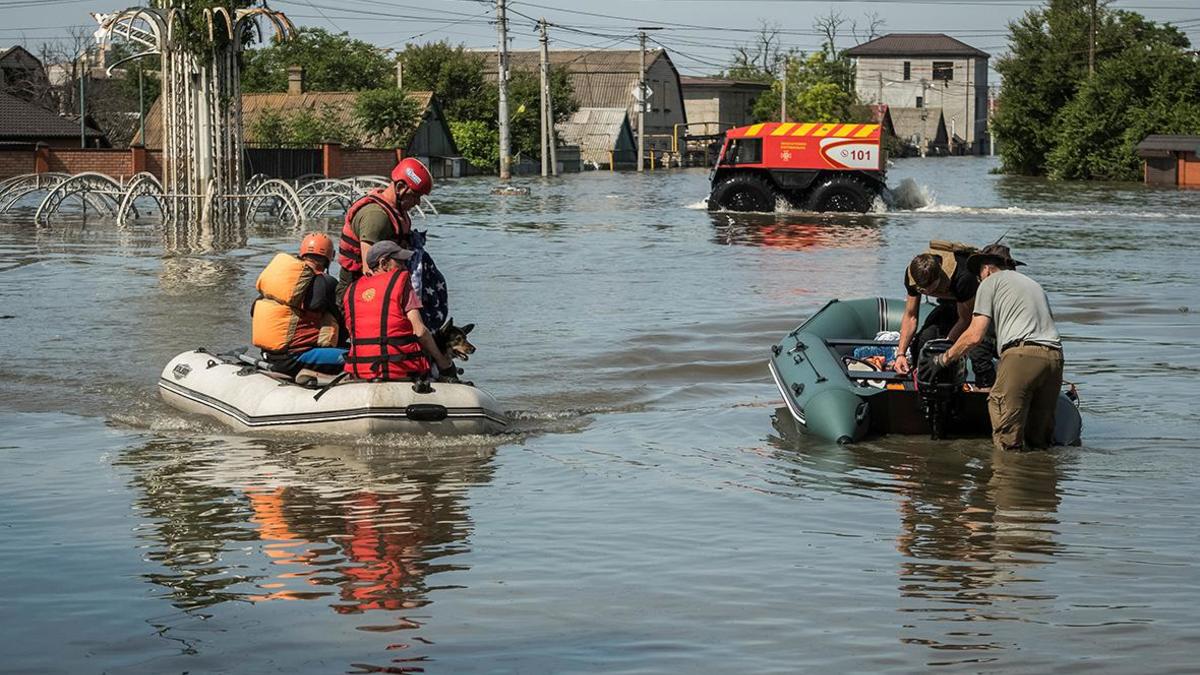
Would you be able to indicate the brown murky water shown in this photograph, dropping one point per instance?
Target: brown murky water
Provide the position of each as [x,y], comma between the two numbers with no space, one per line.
[652,513]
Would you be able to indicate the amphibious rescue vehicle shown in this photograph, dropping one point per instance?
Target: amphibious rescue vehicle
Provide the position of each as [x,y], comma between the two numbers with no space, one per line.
[813,166]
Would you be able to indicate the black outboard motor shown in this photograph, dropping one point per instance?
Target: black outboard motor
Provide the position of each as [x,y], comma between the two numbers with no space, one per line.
[940,392]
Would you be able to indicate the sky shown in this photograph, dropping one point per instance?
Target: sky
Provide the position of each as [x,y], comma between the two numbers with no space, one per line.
[699,34]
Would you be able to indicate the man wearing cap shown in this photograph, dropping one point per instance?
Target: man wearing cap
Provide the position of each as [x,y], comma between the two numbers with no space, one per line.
[388,338]
[1023,400]
[381,215]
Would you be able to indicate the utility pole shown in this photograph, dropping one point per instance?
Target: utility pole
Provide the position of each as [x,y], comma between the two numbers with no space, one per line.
[502,49]
[82,104]
[783,96]
[641,98]
[1092,43]
[399,74]
[141,103]
[545,95]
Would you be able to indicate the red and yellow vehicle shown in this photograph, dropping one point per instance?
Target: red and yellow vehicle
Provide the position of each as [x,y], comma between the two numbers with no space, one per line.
[814,166]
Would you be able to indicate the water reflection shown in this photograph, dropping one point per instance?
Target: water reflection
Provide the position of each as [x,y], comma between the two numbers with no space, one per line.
[359,528]
[790,232]
[975,526]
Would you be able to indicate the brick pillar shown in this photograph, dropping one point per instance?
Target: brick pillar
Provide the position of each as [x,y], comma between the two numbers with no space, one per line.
[331,159]
[399,154]
[137,158]
[41,158]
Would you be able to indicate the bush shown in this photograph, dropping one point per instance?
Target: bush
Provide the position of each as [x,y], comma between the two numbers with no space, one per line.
[479,143]
[387,117]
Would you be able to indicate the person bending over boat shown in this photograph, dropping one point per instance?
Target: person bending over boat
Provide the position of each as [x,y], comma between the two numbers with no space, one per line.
[941,273]
[1023,401]
[388,337]
[382,215]
[295,320]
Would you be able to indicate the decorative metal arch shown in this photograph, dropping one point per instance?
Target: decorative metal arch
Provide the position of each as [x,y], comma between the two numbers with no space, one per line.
[140,186]
[281,197]
[95,189]
[17,188]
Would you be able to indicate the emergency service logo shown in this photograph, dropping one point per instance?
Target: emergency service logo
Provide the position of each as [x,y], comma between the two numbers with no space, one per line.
[368,295]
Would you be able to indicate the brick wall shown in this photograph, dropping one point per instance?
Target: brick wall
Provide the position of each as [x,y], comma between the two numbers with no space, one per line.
[365,162]
[115,162]
[15,163]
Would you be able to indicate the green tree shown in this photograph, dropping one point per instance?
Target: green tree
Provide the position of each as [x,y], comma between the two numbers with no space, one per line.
[817,90]
[524,101]
[1046,67]
[478,142]
[1143,91]
[309,127]
[388,117]
[332,62]
[270,128]
[453,74]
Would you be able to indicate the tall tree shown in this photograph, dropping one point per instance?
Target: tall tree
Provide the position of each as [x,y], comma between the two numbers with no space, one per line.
[453,74]
[332,62]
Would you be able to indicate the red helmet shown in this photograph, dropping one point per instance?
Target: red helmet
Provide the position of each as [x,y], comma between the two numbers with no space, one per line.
[317,243]
[414,174]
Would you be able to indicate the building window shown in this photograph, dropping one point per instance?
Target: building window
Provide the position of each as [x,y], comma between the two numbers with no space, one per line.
[920,101]
[943,70]
[908,70]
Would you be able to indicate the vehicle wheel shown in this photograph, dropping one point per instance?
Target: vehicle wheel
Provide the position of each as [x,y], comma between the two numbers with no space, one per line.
[743,192]
[841,193]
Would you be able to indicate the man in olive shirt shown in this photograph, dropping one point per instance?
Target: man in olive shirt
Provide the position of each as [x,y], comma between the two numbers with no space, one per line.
[381,215]
[1023,401]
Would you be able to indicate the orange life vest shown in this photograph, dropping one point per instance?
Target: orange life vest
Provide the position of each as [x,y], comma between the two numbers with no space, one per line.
[382,343]
[350,247]
[280,323]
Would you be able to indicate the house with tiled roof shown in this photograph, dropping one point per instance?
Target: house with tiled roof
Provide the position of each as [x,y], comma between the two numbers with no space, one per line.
[22,122]
[928,70]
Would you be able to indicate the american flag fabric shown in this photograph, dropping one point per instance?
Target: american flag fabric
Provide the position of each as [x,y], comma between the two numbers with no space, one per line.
[429,283]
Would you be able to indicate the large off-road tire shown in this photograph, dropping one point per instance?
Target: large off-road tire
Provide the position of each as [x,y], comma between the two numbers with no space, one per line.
[841,193]
[743,192]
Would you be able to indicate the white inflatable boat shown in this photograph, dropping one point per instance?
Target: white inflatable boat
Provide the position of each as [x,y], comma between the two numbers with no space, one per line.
[228,389]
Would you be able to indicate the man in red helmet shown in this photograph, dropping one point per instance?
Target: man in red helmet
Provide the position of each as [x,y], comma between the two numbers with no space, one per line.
[381,215]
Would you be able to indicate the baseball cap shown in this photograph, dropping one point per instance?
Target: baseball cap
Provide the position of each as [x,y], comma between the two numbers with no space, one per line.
[386,249]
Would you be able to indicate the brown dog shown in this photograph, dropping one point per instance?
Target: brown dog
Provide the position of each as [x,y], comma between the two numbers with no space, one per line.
[453,342]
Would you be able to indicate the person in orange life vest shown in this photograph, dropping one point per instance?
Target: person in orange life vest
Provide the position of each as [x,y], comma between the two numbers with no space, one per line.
[381,215]
[295,321]
[388,338]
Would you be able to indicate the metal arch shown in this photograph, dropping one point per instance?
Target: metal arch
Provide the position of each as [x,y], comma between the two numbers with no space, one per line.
[141,185]
[280,191]
[16,188]
[83,184]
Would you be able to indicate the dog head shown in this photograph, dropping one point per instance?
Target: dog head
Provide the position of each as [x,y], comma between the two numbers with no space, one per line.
[453,339]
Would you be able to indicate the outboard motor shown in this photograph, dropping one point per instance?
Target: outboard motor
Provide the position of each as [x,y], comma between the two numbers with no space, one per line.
[939,393]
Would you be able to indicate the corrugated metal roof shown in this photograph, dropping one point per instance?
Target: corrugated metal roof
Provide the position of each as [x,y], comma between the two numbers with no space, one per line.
[915,44]
[339,104]
[690,81]
[1163,143]
[24,120]
[596,131]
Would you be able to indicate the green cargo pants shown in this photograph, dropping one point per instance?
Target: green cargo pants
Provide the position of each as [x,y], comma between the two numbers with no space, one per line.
[1023,400]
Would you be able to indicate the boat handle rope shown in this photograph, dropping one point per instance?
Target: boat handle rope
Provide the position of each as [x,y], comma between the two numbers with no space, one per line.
[332,383]
[800,347]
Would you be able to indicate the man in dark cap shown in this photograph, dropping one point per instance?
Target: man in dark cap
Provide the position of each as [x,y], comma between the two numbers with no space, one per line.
[1022,402]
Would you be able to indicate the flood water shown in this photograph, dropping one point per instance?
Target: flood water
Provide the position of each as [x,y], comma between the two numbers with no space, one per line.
[651,513]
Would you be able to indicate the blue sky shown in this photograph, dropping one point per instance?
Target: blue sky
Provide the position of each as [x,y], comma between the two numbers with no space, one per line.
[699,33]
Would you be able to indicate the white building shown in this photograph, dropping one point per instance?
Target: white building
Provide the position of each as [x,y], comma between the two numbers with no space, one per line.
[929,70]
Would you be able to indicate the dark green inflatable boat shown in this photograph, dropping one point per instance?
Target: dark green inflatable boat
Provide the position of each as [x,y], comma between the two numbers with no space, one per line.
[835,396]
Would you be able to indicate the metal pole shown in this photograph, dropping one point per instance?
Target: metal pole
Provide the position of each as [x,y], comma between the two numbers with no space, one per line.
[141,105]
[783,98]
[641,98]
[550,126]
[545,96]
[399,74]
[82,106]
[502,49]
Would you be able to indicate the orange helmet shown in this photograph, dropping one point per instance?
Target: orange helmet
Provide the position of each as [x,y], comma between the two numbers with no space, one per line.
[317,243]
[414,174]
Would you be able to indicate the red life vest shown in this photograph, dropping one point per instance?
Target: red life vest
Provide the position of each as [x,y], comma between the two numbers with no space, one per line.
[382,343]
[350,248]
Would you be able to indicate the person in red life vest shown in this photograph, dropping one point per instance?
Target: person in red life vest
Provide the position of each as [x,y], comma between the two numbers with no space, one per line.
[381,215]
[383,315]
[295,321]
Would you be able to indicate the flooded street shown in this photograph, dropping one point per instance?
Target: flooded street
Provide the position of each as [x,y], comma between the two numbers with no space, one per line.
[654,511]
